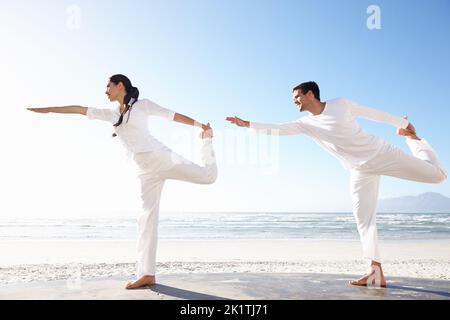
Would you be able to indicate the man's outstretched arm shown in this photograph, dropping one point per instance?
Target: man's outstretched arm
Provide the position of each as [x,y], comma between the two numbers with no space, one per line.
[289,128]
[358,110]
[404,127]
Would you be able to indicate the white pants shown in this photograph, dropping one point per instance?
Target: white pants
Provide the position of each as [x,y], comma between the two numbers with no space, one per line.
[154,168]
[423,166]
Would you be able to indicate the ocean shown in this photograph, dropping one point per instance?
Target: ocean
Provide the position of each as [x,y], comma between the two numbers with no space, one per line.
[222,226]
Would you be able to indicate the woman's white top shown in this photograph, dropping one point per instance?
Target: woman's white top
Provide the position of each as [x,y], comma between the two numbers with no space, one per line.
[337,131]
[134,134]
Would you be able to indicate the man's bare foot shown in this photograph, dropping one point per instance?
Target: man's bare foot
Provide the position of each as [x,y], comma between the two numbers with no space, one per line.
[373,278]
[141,282]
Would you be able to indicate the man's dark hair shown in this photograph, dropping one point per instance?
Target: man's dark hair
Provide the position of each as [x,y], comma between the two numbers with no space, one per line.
[306,86]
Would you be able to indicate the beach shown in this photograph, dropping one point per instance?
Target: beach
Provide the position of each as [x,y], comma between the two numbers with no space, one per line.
[48,262]
[61,258]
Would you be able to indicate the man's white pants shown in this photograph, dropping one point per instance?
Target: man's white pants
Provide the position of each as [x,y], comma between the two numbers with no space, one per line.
[422,166]
[155,168]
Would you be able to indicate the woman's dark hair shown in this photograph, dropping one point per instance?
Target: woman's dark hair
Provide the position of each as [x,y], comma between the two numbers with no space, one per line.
[130,98]
[307,86]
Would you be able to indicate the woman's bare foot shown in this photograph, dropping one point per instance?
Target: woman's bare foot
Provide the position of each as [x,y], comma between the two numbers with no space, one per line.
[141,282]
[374,277]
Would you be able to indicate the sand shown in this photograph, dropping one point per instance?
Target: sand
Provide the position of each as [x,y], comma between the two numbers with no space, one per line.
[54,267]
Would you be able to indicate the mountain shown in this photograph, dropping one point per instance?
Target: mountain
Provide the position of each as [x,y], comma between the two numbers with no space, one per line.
[423,203]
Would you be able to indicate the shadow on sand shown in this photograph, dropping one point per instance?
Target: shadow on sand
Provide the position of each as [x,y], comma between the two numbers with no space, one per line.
[182,293]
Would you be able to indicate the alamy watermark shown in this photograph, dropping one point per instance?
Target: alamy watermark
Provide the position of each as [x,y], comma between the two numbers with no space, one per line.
[73,20]
[374,19]
[237,148]
[74,281]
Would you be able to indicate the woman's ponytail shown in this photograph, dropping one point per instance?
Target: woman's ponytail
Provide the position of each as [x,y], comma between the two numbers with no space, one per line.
[130,98]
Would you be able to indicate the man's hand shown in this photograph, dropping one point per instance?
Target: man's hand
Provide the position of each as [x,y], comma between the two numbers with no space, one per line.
[411,128]
[409,131]
[239,122]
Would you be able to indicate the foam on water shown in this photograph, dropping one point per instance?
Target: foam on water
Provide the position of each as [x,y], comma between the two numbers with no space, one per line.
[338,226]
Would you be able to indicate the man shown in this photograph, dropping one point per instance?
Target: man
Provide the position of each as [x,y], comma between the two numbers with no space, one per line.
[332,124]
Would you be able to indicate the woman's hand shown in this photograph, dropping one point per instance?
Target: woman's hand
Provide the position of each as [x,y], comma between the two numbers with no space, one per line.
[239,122]
[207,131]
[64,109]
[40,110]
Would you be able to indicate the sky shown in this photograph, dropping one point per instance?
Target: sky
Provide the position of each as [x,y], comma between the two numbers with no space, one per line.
[209,60]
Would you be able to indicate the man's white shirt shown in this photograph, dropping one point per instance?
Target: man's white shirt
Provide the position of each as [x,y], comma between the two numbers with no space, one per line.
[337,130]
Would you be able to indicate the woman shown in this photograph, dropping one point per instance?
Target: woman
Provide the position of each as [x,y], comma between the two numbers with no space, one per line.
[156,162]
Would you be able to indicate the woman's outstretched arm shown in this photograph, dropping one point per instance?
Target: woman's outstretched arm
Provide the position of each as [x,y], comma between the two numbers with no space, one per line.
[155,109]
[65,109]
[189,121]
[207,130]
